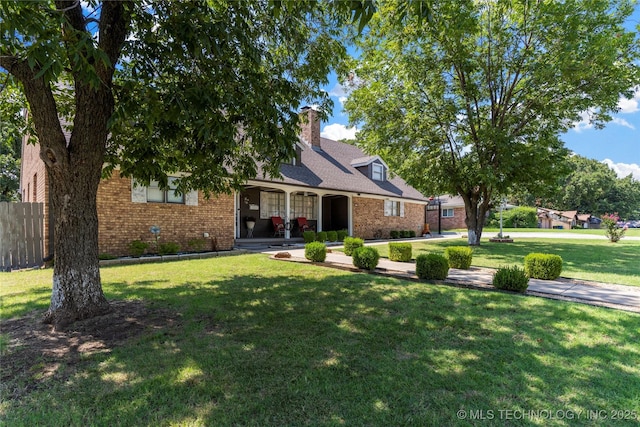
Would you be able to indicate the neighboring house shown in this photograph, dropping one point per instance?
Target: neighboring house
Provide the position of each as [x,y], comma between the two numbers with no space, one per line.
[549,218]
[452,213]
[333,185]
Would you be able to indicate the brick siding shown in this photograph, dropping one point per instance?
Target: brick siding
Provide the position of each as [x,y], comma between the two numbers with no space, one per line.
[448,223]
[122,221]
[369,219]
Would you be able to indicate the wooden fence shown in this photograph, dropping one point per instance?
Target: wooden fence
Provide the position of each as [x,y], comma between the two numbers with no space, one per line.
[21,235]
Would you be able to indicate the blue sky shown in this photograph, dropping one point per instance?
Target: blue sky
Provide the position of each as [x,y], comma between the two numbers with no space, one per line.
[618,144]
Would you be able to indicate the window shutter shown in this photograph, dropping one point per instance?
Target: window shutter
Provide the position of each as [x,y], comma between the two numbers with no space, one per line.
[191,198]
[387,208]
[138,192]
[402,209]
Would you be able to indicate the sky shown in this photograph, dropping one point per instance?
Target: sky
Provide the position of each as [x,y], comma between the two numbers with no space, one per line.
[617,145]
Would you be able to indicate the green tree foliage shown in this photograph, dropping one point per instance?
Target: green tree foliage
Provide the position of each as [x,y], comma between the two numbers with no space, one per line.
[12,126]
[210,88]
[473,102]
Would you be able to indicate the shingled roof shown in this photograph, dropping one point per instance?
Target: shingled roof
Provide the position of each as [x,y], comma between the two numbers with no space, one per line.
[330,168]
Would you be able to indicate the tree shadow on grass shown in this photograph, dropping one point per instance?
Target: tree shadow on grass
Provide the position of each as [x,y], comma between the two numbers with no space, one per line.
[327,348]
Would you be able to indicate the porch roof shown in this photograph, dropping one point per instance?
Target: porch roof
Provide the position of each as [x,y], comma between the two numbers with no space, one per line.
[330,169]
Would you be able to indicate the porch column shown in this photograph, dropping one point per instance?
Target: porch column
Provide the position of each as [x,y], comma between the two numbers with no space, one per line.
[319,223]
[350,215]
[287,209]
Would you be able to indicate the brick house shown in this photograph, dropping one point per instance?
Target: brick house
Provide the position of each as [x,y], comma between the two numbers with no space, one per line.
[332,184]
[452,214]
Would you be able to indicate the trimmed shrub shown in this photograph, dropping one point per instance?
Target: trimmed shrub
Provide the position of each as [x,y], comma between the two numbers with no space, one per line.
[168,248]
[309,236]
[412,233]
[137,248]
[432,267]
[342,234]
[400,251]
[351,243]
[511,279]
[459,256]
[332,236]
[366,257]
[394,234]
[106,256]
[543,266]
[405,233]
[197,245]
[315,251]
[321,236]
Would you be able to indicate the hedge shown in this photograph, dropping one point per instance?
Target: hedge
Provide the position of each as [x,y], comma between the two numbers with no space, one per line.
[366,257]
[432,267]
[543,266]
[459,256]
[400,252]
[309,236]
[511,279]
[315,251]
[351,243]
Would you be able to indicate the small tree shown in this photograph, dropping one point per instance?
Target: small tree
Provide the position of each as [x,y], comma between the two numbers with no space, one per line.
[610,223]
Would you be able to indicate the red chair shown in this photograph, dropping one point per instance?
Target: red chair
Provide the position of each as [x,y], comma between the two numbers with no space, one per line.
[278,226]
[303,225]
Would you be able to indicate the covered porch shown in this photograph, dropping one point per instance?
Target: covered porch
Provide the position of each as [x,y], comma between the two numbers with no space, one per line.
[259,204]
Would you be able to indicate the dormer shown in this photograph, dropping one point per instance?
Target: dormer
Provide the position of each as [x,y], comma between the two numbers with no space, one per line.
[373,167]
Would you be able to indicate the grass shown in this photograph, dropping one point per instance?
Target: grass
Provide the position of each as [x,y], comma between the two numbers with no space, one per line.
[596,260]
[596,232]
[263,342]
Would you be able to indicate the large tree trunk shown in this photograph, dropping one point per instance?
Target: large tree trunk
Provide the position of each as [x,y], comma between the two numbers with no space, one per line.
[74,174]
[476,208]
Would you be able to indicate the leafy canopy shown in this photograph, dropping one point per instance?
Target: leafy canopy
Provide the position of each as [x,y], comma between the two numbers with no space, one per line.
[473,102]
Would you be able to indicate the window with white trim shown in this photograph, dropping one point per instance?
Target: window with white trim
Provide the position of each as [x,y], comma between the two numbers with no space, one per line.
[447,213]
[304,206]
[157,195]
[272,203]
[392,208]
[377,172]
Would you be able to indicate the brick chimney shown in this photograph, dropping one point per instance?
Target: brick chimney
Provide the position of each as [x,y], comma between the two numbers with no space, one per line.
[310,127]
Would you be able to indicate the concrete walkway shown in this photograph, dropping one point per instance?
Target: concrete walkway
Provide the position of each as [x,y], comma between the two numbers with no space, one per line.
[600,294]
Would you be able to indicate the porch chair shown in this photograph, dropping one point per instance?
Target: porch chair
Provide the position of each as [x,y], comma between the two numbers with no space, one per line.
[303,225]
[278,226]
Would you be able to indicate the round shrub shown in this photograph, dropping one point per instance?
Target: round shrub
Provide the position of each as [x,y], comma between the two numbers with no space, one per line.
[168,248]
[351,243]
[309,236]
[315,251]
[137,248]
[400,251]
[432,267]
[412,233]
[405,234]
[321,236]
[543,266]
[342,234]
[511,279]
[332,236]
[366,257]
[459,256]
[394,234]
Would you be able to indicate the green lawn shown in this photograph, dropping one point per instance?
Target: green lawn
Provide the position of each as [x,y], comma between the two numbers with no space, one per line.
[596,260]
[262,342]
[598,232]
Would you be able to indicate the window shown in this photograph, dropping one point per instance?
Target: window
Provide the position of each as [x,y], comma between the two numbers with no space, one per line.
[272,204]
[391,208]
[447,213]
[35,187]
[377,172]
[155,194]
[304,206]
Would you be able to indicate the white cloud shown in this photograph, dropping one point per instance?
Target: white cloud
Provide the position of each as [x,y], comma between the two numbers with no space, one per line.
[624,169]
[337,132]
[338,90]
[622,122]
[630,105]
[583,124]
